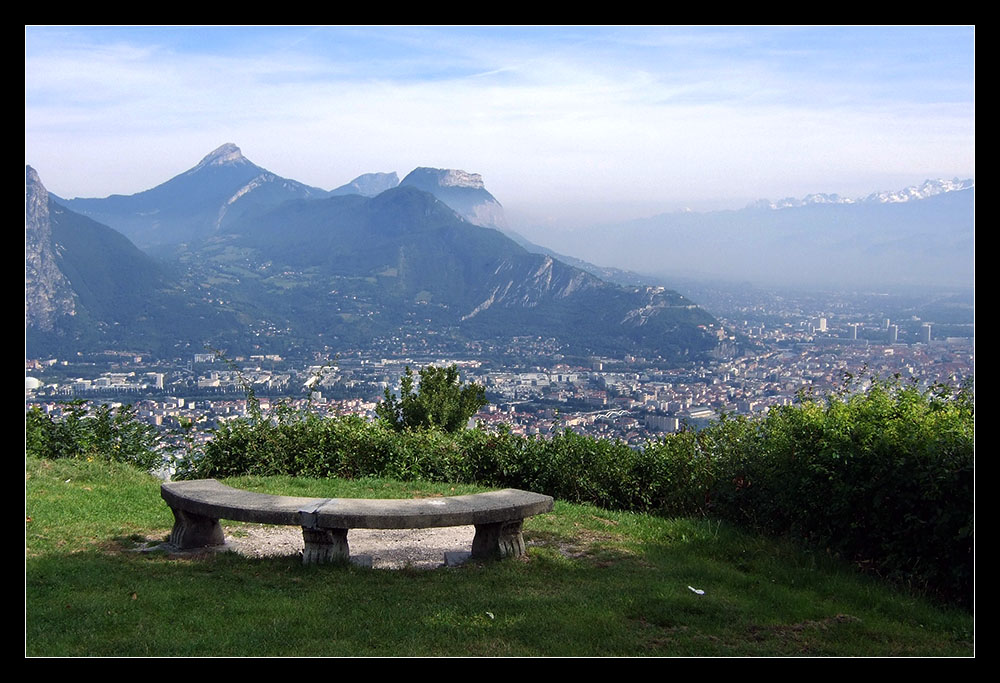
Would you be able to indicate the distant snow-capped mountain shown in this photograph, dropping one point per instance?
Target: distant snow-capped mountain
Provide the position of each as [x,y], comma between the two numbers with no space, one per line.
[928,188]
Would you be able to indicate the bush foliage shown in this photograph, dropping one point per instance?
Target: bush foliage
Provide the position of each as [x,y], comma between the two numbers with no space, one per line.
[92,433]
[884,479]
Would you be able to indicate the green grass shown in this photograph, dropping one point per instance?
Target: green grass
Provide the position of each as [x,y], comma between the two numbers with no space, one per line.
[594,583]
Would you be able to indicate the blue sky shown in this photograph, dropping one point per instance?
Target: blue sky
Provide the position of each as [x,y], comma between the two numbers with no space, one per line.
[565,124]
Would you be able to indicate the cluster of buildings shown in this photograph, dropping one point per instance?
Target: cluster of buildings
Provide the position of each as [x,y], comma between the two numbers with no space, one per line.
[771,349]
[629,400]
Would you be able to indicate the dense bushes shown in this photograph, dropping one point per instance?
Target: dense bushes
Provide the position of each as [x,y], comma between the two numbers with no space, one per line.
[568,466]
[884,479]
[99,433]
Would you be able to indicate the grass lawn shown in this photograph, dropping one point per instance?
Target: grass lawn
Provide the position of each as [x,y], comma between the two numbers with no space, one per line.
[594,583]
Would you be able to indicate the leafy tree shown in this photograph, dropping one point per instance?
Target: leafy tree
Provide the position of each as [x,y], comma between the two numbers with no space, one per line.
[440,401]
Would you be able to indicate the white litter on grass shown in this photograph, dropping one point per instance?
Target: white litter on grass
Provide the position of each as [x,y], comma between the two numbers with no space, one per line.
[696,590]
[490,615]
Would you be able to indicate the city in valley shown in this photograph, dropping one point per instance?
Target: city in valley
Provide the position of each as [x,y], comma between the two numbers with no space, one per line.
[773,346]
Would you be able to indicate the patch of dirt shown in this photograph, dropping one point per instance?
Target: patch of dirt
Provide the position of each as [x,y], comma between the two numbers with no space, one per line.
[608,522]
[388,548]
[601,548]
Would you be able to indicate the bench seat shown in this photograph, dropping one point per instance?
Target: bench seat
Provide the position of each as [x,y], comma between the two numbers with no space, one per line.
[497,515]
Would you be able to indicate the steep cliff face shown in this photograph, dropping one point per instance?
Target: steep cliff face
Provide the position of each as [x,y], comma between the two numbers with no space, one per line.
[48,294]
[531,280]
[464,192]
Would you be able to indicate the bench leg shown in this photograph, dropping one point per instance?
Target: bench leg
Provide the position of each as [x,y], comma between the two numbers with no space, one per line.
[325,545]
[499,540]
[194,531]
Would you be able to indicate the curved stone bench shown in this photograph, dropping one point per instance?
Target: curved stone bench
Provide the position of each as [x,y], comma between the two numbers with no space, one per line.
[497,515]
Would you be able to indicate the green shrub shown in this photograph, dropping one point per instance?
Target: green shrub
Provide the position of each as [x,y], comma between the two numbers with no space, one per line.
[440,401]
[92,433]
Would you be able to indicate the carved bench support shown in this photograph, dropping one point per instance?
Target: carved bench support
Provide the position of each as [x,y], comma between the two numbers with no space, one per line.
[195,531]
[324,546]
[498,540]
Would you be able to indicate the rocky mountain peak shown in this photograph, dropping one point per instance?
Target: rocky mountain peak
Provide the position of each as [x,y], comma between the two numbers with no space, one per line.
[31,177]
[36,202]
[36,197]
[368,185]
[463,192]
[444,177]
[226,154]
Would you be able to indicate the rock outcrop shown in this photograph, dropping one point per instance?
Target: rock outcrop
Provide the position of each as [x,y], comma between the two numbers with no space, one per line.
[464,192]
[47,293]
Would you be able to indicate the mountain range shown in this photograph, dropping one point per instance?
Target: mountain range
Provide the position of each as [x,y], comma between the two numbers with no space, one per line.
[920,236]
[928,188]
[259,259]
[248,259]
[225,186]
[196,204]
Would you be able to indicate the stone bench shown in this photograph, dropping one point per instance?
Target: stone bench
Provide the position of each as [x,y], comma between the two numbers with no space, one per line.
[497,515]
